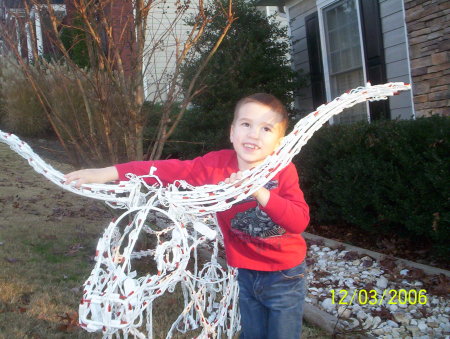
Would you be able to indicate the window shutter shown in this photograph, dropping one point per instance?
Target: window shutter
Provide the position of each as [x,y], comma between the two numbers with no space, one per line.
[315,59]
[374,54]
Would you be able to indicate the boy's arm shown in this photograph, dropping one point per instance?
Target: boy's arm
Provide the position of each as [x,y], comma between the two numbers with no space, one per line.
[262,196]
[169,171]
[92,175]
[288,207]
[166,170]
[196,171]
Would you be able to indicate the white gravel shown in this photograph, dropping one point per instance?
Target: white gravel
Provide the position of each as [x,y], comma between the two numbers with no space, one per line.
[351,287]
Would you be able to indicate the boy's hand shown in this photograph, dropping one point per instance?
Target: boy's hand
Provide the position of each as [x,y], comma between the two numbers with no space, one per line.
[92,175]
[233,177]
[262,195]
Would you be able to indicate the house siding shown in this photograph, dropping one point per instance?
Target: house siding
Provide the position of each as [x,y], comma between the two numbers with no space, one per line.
[429,50]
[396,55]
[163,59]
[395,44]
[296,14]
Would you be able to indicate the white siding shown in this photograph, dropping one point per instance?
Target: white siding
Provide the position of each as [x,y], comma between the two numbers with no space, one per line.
[396,55]
[272,10]
[162,60]
[297,11]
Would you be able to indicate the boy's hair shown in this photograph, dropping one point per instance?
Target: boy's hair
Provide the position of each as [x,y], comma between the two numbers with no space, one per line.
[268,100]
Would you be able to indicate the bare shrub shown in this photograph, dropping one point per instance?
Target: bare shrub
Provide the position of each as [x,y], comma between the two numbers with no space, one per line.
[103,121]
[91,123]
[20,110]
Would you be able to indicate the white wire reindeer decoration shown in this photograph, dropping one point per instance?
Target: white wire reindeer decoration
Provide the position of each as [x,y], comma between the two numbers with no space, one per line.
[180,218]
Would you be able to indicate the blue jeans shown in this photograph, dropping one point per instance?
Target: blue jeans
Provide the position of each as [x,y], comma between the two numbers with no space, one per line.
[271,303]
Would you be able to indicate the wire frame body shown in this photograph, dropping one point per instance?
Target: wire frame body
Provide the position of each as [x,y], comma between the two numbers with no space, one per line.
[170,225]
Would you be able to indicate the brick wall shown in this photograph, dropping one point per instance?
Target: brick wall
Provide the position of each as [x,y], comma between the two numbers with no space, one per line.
[428,25]
[120,16]
[122,20]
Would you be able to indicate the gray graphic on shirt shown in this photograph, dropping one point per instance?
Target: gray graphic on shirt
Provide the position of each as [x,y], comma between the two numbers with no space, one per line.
[256,223]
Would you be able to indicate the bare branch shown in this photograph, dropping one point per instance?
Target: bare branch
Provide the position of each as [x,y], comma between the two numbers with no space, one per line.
[126,43]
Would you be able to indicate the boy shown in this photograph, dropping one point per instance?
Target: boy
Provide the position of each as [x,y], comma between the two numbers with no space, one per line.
[262,233]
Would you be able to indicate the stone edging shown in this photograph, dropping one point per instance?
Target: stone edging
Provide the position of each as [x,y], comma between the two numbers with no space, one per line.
[430,270]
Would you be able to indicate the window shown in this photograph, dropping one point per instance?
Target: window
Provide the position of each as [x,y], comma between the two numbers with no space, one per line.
[345,50]
[342,48]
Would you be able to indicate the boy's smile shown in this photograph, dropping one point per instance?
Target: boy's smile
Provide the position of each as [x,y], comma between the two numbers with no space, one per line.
[255,134]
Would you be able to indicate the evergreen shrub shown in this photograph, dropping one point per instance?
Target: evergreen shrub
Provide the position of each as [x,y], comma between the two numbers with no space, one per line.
[199,133]
[74,41]
[384,177]
[194,136]
[253,57]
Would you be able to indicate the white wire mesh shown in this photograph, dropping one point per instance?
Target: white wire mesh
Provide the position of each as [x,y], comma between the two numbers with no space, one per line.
[178,218]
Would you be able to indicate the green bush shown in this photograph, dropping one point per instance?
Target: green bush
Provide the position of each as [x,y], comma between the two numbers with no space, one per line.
[74,41]
[196,134]
[253,57]
[199,133]
[384,177]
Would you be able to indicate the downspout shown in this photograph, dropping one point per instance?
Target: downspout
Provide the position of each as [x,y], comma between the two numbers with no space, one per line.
[19,43]
[411,95]
[29,42]
[39,40]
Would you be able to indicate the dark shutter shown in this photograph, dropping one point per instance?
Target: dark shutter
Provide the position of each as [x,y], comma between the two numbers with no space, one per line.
[315,59]
[374,54]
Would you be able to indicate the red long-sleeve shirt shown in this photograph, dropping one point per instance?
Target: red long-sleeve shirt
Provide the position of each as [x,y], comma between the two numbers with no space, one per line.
[259,238]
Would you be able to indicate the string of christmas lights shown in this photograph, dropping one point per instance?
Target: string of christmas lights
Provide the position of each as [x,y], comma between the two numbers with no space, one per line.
[169,225]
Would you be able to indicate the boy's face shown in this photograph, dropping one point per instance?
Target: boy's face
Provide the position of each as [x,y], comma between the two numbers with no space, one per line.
[255,134]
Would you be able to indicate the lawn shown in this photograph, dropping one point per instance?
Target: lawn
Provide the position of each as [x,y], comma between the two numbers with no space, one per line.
[47,242]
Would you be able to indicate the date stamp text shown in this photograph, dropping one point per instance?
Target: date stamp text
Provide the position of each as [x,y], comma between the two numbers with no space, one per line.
[374,297]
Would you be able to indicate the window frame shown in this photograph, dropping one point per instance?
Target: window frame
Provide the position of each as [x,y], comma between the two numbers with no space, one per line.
[321,5]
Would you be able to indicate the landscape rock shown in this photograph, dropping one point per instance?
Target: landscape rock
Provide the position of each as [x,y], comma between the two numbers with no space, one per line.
[382,282]
[376,321]
[392,324]
[422,326]
[402,318]
[361,315]
[433,324]
[344,312]
[328,305]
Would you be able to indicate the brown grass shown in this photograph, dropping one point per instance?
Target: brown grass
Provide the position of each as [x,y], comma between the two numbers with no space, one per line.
[47,239]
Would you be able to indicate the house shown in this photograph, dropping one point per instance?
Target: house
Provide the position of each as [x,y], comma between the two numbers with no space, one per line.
[165,34]
[37,31]
[13,16]
[342,44]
